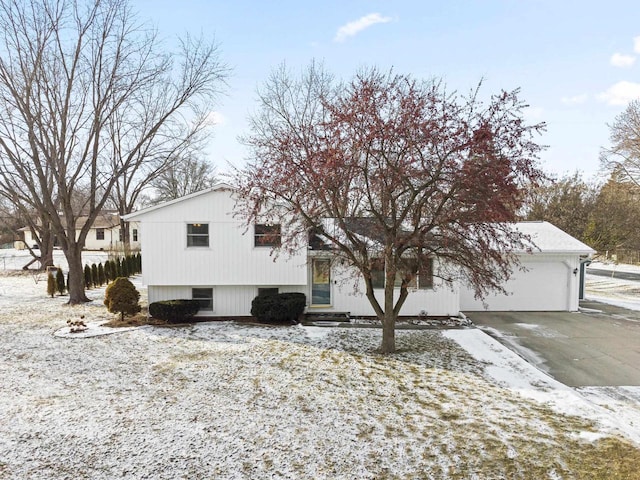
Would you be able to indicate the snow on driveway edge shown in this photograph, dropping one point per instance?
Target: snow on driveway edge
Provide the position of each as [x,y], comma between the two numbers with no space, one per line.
[510,370]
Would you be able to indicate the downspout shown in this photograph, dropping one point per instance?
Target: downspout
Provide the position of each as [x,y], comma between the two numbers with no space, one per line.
[573,272]
[584,262]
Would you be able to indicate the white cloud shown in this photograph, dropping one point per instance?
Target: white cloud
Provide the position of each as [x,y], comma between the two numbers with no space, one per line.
[636,44]
[216,119]
[575,100]
[620,60]
[621,93]
[352,28]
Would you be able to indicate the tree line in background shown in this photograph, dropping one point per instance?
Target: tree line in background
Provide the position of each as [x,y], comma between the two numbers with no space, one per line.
[95,275]
[605,216]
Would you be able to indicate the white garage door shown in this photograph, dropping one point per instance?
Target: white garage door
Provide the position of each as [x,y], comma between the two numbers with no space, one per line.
[543,287]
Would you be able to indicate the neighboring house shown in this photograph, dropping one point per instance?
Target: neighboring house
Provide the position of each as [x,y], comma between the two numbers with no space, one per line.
[194,247]
[104,234]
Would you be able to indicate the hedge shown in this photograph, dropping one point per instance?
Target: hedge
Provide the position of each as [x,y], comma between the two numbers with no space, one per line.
[174,311]
[280,308]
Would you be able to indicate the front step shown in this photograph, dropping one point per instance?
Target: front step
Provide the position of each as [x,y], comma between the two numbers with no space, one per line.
[320,318]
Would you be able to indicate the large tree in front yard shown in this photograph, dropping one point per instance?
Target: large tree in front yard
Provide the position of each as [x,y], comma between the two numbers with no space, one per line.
[393,172]
[88,96]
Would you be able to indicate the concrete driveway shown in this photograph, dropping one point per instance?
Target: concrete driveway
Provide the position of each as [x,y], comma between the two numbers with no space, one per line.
[597,347]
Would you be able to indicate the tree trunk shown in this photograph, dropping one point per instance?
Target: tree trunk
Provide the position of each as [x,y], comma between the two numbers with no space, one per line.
[126,239]
[46,249]
[388,344]
[76,275]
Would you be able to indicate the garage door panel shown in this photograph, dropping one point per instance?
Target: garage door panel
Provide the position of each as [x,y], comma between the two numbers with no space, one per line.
[543,287]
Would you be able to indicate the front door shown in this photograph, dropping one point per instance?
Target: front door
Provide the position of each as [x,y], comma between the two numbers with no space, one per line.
[321,282]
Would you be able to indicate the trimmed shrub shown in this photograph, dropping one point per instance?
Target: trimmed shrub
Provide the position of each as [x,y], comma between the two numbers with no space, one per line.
[60,283]
[108,271]
[125,268]
[122,297]
[94,275]
[101,276]
[51,284]
[280,308]
[174,311]
[88,282]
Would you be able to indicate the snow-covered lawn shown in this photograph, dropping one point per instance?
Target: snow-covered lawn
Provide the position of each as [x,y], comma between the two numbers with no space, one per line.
[224,401]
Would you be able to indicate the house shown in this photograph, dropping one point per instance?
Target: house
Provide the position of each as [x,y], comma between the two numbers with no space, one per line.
[194,247]
[104,234]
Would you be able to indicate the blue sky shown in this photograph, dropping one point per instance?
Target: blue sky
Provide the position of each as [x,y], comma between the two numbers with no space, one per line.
[577,62]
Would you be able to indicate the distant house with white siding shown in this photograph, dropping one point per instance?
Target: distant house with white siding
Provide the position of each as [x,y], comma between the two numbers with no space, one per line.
[105,234]
[194,247]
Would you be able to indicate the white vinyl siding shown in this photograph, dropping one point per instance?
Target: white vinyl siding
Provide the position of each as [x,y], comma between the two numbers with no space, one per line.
[231,259]
[228,301]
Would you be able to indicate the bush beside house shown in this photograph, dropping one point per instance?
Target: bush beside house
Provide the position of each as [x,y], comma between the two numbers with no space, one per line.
[278,308]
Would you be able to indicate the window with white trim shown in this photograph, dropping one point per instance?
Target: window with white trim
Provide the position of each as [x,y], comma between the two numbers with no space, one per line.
[197,234]
[267,235]
[204,296]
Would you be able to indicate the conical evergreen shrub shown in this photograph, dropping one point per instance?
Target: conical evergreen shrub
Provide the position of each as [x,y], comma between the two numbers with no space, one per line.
[60,283]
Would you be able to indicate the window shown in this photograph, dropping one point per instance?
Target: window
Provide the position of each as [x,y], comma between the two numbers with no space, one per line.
[99,233]
[197,234]
[263,292]
[135,234]
[121,235]
[204,297]
[423,279]
[267,235]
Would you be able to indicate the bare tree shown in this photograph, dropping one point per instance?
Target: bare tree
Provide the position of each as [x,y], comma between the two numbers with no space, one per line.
[392,172]
[184,176]
[623,157]
[86,95]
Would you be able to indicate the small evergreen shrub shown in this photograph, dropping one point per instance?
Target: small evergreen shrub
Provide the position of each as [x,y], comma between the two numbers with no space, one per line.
[88,283]
[174,311]
[101,276]
[122,297]
[94,275]
[60,283]
[108,269]
[280,308]
[125,268]
[51,284]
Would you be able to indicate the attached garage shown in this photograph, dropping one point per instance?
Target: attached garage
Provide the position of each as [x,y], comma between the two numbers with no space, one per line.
[550,280]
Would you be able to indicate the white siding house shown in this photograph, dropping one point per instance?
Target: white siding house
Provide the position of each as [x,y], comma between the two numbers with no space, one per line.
[194,247]
[104,234]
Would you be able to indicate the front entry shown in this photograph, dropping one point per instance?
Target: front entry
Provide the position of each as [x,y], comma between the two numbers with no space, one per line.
[321,282]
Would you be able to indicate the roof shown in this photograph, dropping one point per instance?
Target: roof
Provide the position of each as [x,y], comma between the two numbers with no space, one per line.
[550,239]
[103,220]
[144,211]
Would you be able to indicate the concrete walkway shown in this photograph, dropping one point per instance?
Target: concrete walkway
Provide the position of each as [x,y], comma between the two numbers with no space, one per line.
[597,347]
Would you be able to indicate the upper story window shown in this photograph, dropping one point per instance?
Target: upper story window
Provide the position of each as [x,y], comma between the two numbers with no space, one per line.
[267,235]
[197,234]
[99,233]
[135,234]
